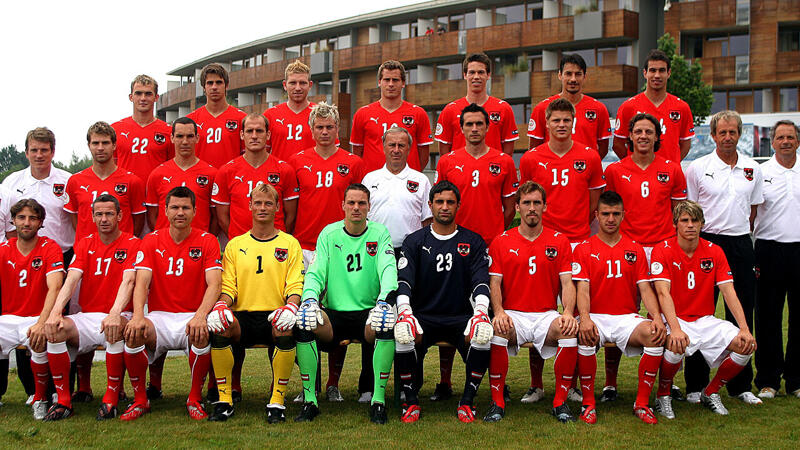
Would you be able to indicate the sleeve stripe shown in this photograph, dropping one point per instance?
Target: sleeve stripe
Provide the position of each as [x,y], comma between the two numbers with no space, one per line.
[687,137]
[621,136]
[220,203]
[678,198]
[70,211]
[139,212]
[443,142]
[143,268]
[511,139]
[150,204]
[661,279]
[292,197]
[568,271]
[76,269]
[597,187]
[579,279]
[495,274]
[535,136]
[54,270]
[506,196]
[421,144]
[605,137]
[214,268]
[725,281]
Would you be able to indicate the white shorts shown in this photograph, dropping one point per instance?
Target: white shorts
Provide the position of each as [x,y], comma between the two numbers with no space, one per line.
[617,329]
[308,257]
[14,332]
[533,328]
[711,336]
[89,335]
[170,332]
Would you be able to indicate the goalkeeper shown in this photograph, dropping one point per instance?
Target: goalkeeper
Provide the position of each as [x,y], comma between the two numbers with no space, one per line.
[356,268]
[443,295]
[262,282]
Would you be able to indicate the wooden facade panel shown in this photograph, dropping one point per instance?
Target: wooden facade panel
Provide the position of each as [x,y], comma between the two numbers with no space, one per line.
[420,48]
[437,93]
[494,38]
[176,96]
[359,57]
[621,23]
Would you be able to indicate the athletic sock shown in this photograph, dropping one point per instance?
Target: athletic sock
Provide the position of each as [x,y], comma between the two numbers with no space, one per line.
[115,370]
[613,357]
[382,358]
[405,362]
[136,363]
[670,365]
[536,364]
[564,368]
[59,362]
[156,370]
[335,365]
[199,363]
[446,357]
[498,369]
[83,365]
[587,369]
[476,365]
[307,363]
[41,373]
[648,368]
[282,363]
[239,353]
[730,367]
[222,360]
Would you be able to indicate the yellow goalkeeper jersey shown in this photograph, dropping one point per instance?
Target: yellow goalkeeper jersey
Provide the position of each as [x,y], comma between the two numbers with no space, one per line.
[260,275]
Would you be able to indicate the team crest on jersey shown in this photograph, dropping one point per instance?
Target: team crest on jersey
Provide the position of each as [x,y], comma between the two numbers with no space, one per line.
[231,125]
[591,115]
[274,178]
[494,169]
[202,180]
[412,186]
[551,252]
[579,165]
[674,115]
[748,173]
[195,253]
[281,254]
[494,116]
[160,138]
[36,264]
[630,256]
[120,255]
[58,190]
[372,248]
[662,177]
[343,169]
[121,188]
[408,120]
[706,264]
[463,249]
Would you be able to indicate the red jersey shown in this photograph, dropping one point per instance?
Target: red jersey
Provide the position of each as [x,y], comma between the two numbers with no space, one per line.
[647,195]
[674,115]
[289,132]
[692,280]
[613,274]
[219,138]
[502,125]
[566,180]
[199,178]
[140,149]
[85,186]
[102,267]
[591,122]
[24,277]
[371,121]
[531,270]
[237,178]
[179,270]
[483,183]
[321,184]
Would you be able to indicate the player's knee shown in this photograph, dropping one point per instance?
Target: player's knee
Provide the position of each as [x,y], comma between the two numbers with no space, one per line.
[284,342]
[220,341]
[304,335]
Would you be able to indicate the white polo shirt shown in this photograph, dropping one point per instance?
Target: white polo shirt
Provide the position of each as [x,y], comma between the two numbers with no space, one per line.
[51,193]
[778,217]
[726,194]
[7,199]
[400,202]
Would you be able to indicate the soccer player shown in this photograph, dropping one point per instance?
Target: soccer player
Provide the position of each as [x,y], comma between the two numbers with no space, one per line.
[355,268]
[236,179]
[33,271]
[143,141]
[371,121]
[591,126]
[290,131]
[185,169]
[262,282]
[220,137]
[673,114]
[611,271]
[685,270]
[443,295]
[528,267]
[178,256]
[501,128]
[103,265]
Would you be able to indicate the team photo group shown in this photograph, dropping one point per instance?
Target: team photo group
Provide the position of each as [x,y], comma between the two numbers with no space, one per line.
[224,231]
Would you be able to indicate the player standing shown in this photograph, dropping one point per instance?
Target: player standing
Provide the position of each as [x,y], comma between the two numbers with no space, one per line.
[290,131]
[371,121]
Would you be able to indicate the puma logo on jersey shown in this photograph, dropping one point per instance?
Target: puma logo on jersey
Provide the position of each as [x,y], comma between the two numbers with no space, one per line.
[768,180]
[91,252]
[374,186]
[338,246]
[13,264]
[676,264]
[167,179]
[20,191]
[279,121]
[161,252]
[427,249]
[460,168]
[239,177]
[514,251]
[126,134]
[85,188]
[710,175]
[544,164]
[307,167]
[243,250]
[626,177]
[374,119]
[595,256]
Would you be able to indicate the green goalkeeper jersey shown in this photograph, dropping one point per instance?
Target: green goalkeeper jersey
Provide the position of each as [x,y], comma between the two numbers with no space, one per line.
[353,271]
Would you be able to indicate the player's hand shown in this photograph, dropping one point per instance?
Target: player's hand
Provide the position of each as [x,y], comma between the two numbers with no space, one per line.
[480,327]
[382,317]
[52,325]
[677,341]
[502,323]
[744,342]
[220,317]
[658,331]
[587,332]
[568,324]
[37,337]
[284,318]
[309,315]
[111,326]
[197,329]
[136,330]
[407,327]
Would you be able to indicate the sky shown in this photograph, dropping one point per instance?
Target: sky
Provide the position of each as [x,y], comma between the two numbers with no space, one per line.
[70,64]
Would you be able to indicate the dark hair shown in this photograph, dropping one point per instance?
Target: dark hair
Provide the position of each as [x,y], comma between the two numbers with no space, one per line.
[783,122]
[105,198]
[215,69]
[657,55]
[471,108]
[572,58]
[180,192]
[356,187]
[184,121]
[610,198]
[477,57]
[392,65]
[644,116]
[41,134]
[35,206]
[442,186]
[103,129]
[559,104]
[528,187]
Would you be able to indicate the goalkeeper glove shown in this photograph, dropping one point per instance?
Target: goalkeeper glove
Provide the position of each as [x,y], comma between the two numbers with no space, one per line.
[480,327]
[407,327]
[284,317]
[382,317]
[309,315]
[220,317]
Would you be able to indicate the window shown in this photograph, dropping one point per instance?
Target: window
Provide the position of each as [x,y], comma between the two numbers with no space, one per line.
[692,46]
[448,72]
[740,45]
[575,7]
[741,101]
[607,56]
[414,30]
[509,14]
[399,31]
[788,99]
[534,11]
[344,85]
[292,52]
[457,22]
[522,112]
[324,87]
[236,65]
[343,42]
[623,54]
[587,55]
[726,45]
[308,49]
[412,75]
[788,38]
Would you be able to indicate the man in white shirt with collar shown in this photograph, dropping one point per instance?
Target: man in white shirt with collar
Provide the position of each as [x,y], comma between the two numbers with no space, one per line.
[398,193]
[777,251]
[729,187]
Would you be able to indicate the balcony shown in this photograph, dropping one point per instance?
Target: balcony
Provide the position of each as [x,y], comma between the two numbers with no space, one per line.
[177,96]
[260,75]
[700,15]
[719,71]
[359,57]
[421,48]
[787,66]
[601,80]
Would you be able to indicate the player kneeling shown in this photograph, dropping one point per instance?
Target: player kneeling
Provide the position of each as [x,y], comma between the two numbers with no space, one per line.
[262,282]
[610,270]
[685,270]
[441,269]
[528,266]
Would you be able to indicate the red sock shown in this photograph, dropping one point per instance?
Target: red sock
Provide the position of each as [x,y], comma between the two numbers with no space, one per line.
[648,368]
[613,357]
[199,366]
[115,369]
[335,365]
[498,369]
[446,356]
[156,370]
[83,363]
[136,363]
[41,373]
[668,371]
[59,369]
[587,368]
[212,379]
[239,354]
[727,370]
[536,364]
[564,368]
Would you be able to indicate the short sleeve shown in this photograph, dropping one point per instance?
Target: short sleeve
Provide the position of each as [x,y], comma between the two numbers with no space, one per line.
[230,286]
[596,181]
[687,124]
[444,129]
[536,126]
[219,190]
[288,174]
[496,258]
[564,257]
[604,122]
[423,128]
[151,191]
[72,204]
[211,255]
[692,187]
[137,195]
[79,260]
[610,176]
[757,194]
[54,259]
[659,265]
[722,271]
[426,209]
[509,132]
[357,133]
[580,266]
[510,183]
[678,184]
[623,116]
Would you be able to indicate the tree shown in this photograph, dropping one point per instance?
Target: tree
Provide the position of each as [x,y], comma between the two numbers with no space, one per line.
[11,160]
[686,81]
[76,163]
